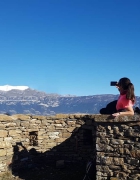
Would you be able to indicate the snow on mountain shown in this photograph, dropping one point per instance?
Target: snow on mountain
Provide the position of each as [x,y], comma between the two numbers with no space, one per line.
[8,88]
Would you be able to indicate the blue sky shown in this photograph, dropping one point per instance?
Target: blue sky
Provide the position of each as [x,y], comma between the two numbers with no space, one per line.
[70,46]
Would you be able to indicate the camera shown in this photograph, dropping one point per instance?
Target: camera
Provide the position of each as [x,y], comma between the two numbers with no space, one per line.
[113,83]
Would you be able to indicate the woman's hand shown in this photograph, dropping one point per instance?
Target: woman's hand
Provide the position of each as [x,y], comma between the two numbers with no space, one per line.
[116,114]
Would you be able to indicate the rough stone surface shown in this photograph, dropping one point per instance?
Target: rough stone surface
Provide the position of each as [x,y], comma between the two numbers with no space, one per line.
[113,143]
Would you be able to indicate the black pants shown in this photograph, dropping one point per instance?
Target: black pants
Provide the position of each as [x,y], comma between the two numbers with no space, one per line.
[110,108]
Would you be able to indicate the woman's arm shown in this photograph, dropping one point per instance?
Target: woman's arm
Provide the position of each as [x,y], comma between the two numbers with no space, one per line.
[129,111]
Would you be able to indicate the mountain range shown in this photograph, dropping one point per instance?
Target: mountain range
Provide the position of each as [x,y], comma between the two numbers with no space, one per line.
[24,100]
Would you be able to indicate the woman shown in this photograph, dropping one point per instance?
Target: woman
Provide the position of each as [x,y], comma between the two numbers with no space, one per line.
[126,99]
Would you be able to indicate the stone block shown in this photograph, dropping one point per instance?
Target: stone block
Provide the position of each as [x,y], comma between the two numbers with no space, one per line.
[33,129]
[39,117]
[71,116]
[45,136]
[60,121]
[38,122]
[71,129]
[2,152]
[5,144]
[2,158]
[79,122]
[10,124]
[54,137]
[21,117]
[52,133]
[135,153]
[17,122]
[33,126]
[9,153]
[60,140]
[25,124]
[133,161]
[51,144]
[2,126]
[50,128]
[3,133]
[12,132]
[59,128]
[77,116]
[117,141]
[62,116]
[45,122]
[70,122]
[40,132]
[40,137]
[58,125]
[5,118]
[66,135]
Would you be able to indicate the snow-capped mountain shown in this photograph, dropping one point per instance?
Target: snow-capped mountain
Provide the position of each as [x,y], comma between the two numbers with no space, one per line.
[8,87]
[24,100]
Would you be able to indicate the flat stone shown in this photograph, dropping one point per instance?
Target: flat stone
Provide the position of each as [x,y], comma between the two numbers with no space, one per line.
[2,152]
[5,144]
[3,133]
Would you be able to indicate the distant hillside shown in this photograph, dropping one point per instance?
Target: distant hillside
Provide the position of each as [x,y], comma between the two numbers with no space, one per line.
[34,102]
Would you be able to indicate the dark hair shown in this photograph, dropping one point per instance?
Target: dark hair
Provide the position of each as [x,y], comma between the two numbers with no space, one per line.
[127,86]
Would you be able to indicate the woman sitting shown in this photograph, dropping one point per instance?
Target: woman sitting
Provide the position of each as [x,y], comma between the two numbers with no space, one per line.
[126,99]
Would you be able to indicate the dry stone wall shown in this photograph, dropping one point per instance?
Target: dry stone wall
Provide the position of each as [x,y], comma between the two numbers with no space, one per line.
[27,141]
[118,148]
[113,143]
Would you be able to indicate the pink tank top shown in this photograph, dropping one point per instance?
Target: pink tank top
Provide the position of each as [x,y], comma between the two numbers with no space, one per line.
[123,103]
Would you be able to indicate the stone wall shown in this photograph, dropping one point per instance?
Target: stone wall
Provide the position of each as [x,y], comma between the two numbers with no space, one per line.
[27,141]
[32,140]
[118,148]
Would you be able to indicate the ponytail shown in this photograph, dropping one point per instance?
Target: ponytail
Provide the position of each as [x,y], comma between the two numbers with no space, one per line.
[127,86]
[130,92]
